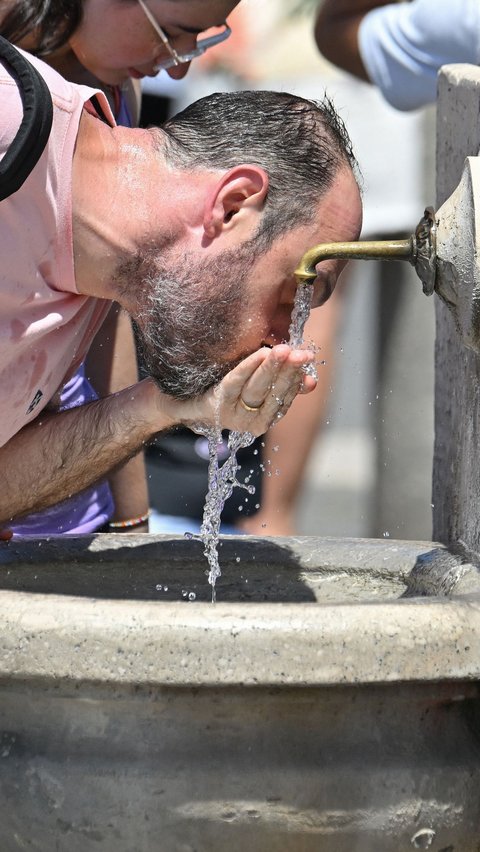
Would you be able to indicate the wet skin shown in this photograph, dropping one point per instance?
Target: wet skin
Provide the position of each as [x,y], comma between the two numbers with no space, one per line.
[271,288]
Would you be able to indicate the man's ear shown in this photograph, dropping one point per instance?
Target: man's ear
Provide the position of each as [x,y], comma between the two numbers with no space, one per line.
[240,190]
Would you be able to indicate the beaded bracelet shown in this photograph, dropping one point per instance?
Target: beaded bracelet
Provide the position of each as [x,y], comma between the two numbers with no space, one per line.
[131,522]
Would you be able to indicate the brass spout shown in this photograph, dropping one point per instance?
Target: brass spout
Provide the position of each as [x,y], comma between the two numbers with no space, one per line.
[418,249]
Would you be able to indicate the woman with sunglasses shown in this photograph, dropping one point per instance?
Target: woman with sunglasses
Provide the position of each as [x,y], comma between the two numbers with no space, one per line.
[110,45]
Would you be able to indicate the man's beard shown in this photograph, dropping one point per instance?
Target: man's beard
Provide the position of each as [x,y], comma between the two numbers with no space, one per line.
[188,318]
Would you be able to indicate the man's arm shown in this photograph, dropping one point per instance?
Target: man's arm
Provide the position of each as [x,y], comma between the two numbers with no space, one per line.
[336,32]
[60,454]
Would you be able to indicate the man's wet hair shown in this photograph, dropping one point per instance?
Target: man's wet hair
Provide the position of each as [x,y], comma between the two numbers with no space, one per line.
[300,143]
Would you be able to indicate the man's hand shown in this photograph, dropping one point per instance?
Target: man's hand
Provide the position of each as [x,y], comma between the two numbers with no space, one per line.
[252,395]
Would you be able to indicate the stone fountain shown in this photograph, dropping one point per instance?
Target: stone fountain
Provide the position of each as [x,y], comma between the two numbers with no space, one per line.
[329,700]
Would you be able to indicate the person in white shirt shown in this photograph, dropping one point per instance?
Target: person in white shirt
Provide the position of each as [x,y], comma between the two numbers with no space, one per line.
[399,47]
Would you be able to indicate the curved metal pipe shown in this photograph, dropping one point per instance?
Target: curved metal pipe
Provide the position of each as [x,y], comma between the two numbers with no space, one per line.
[418,249]
[360,250]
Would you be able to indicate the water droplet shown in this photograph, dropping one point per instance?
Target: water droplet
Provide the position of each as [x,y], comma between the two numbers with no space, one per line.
[159,587]
[423,839]
[386,534]
[237,559]
[191,596]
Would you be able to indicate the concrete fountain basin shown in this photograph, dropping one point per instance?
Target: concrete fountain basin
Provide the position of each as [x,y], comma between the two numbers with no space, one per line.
[329,700]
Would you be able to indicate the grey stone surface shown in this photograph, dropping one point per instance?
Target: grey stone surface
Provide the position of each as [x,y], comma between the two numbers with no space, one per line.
[456,481]
[159,769]
[329,699]
[100,616]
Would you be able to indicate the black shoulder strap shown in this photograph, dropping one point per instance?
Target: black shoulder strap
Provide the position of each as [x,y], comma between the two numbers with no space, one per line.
[32,135]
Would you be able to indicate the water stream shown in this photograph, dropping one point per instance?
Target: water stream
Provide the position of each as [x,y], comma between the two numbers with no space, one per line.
[223,479]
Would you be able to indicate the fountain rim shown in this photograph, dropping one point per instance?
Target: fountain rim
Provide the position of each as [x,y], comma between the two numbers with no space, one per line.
[60,638]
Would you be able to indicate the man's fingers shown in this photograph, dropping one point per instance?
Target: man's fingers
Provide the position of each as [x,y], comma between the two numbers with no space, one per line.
[255,390]
[273,387]
[252,395]
[236,380]
[288,379]
[261,388]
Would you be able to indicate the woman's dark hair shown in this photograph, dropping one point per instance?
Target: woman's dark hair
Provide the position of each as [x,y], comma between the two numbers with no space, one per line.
[52,21]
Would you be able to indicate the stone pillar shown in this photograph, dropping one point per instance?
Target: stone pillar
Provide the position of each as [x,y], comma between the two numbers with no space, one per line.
[456,468]
[403,406]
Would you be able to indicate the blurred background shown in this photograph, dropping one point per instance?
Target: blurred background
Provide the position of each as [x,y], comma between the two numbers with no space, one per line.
[369,471]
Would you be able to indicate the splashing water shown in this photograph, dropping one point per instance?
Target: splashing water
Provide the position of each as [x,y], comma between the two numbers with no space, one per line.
[222,480]
[300,314]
